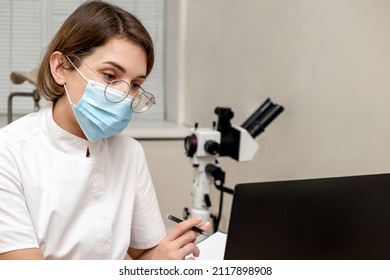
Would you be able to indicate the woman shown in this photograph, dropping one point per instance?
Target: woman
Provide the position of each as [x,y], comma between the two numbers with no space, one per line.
[71,186]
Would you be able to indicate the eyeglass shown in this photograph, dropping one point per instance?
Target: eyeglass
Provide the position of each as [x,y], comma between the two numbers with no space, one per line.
[141,99]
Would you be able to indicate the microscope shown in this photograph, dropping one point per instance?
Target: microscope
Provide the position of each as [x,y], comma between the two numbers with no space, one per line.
[204,145]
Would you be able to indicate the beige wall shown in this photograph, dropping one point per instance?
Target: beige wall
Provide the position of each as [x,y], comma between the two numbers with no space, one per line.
[327,62]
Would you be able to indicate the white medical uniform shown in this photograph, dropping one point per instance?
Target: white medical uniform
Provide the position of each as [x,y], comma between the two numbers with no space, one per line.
[71,206]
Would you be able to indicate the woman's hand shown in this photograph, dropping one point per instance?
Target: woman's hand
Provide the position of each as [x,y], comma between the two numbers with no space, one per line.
[176,245]
[180,242]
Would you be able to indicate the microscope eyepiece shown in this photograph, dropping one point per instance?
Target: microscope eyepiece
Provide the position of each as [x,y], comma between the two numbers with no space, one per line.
[262,117]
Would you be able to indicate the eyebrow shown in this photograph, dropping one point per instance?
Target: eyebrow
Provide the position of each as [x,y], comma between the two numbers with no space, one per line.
[121,68]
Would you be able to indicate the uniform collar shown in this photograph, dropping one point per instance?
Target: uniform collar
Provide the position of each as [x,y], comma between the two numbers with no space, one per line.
[67,142]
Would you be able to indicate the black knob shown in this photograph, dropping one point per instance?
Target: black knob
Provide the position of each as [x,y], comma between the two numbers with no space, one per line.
[212,147]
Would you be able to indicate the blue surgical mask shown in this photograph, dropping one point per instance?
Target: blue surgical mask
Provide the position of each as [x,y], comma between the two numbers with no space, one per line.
[98,117]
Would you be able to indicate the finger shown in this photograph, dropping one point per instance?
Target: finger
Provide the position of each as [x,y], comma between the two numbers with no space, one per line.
[203,227]
[188,250]
[184,226]
[187,237]
[206,226]
[196,251]
[176,249]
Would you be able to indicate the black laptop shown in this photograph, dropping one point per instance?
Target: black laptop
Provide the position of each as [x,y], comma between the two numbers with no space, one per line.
[343,218]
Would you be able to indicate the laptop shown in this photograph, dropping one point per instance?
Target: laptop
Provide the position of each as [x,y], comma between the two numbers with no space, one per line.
[342,218]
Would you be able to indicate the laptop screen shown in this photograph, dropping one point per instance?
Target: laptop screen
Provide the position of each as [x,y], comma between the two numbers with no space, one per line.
[328,218]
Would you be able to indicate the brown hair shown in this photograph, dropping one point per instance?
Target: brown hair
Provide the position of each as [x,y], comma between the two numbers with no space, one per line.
[90,26]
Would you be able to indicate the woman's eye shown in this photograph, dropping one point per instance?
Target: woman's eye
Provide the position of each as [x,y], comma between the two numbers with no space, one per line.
[135,86]
[108,77]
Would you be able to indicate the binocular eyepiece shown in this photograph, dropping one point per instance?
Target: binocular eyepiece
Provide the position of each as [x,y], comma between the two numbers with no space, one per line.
[262,117]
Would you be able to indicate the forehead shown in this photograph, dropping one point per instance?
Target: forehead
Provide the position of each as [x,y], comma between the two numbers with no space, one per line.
[128,55]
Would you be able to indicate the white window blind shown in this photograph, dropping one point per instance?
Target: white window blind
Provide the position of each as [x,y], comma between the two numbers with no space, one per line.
[29,25]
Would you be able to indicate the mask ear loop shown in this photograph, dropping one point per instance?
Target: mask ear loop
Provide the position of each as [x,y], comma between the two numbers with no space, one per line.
[81,74]
[67,96]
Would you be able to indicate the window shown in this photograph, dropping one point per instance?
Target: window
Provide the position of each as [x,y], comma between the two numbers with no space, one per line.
[28,26]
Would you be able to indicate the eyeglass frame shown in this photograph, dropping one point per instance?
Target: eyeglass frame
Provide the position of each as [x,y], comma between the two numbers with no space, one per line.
[151,99]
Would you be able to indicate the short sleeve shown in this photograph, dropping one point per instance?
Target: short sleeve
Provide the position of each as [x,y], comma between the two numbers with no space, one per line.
[147,228]
[16,229]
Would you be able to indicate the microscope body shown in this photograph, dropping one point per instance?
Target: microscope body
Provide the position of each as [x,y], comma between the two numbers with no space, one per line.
[204,145]
[208,139]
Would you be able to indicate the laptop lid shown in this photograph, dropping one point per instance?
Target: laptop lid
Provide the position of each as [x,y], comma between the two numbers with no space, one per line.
[329,218]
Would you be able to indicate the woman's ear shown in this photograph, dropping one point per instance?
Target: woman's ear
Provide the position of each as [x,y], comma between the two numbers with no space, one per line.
[57,67]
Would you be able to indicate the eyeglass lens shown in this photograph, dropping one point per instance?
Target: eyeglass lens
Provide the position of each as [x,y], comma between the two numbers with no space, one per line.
[143,101]
[120,89]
